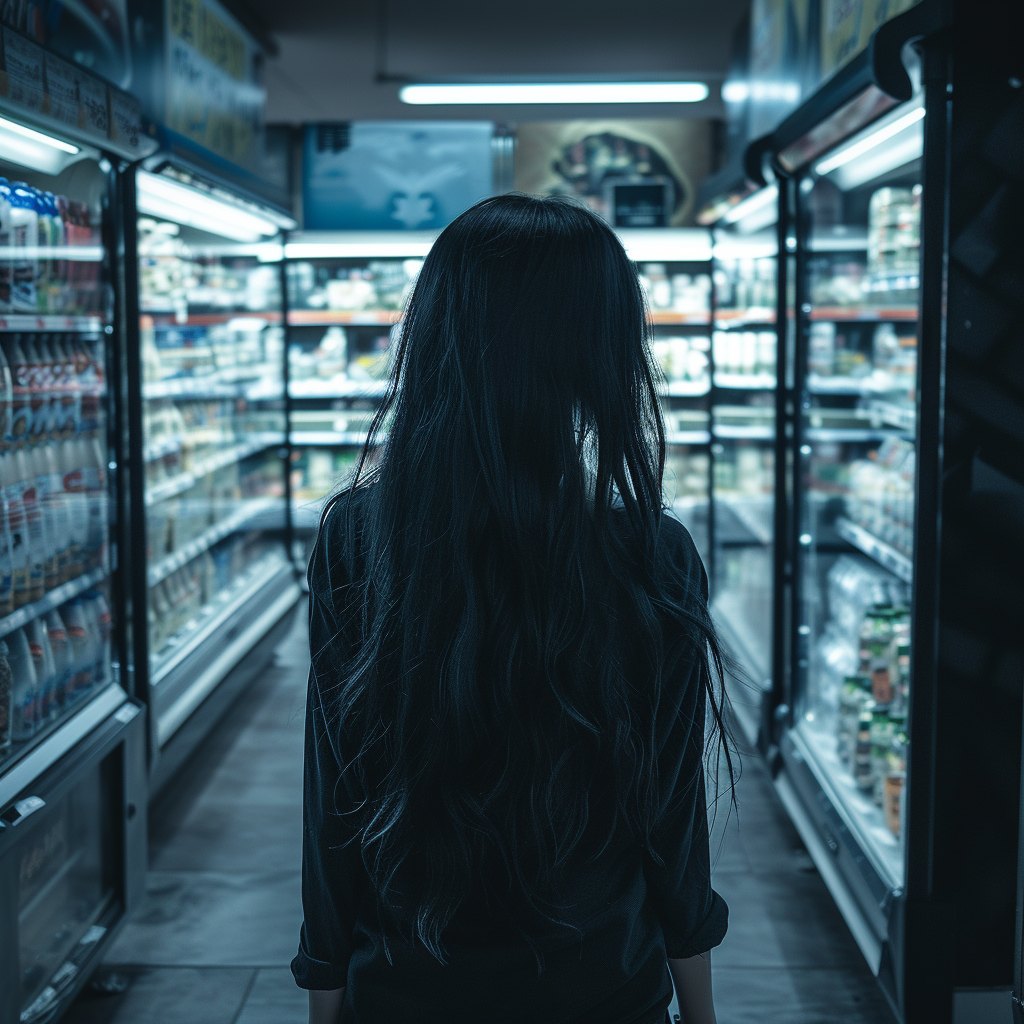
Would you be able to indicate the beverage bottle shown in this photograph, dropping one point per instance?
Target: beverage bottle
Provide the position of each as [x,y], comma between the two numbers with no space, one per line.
[58,636]
[54,382]
[6,398]
[25,237]
[58,266]
[47,703]
[23,687]
[6,237]
[85,377]
[94,484]
[40,385]
[49,506]
[92,652]
[35,528]
[104,622]
[70,398]
[70,275]
[6,555]
[21,391]
[6,693]
[44,232]
[75,504]
[16,528]
[79,644]
[55,504]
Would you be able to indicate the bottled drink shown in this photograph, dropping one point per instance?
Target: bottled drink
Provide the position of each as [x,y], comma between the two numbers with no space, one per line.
[23,687]
[39,383]
[35,528]
[61,655]
[21,391]
[16,529]
[25,237]
[49,507]
[104,624]
[47,703]
[79,644]
[91,380]
[70,398]
[44,265]
[94,484]
[6,239]
[6,397]
[58,273]
[55,505]
[75,504]
[6,693]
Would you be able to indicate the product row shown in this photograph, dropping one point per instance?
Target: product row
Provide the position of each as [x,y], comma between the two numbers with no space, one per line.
[178,279]
[212,500]
[178,604]
[678,293]
[684,358]
[53,507]
[50,256]
[242,348]
[883,356]
[379,285]
[745,353]
[52,663]
[881,494]
[745,283]
[332,358]
[51,386]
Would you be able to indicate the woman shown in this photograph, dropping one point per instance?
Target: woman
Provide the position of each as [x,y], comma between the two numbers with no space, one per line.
[505,814]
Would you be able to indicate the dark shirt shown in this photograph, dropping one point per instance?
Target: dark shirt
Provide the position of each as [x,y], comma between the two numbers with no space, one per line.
[631,913]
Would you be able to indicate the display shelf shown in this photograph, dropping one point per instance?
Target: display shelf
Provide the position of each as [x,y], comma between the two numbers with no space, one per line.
[685,388]
[212,616]
[339,386]
[251,508]
[755,316]
[170,318]
[753,654]
[334,317]
[837,385]
[223,384]
[156,493]
[744,431]
[868,313]
[160,449]
[53,599]
[51,322]
[754,512]
[850,435]
[902,416]
[860,815]
[745,381]
[884,554]
[671,317]
[687,437]
[329,438]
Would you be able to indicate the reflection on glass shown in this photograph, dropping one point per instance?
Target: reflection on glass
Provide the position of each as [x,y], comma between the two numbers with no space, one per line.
[213,419]
[858,474]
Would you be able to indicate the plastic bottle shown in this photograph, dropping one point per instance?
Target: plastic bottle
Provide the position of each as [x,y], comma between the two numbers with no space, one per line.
[5,243]
[70,274]
[45,233]
[94,483]
[21,391]
[25,234]
[75,504]
[50,507]
[40,384]
[70,398]
[23,687]
[35,527]
[6,693]
[79,643]
[58,635]
[6,556]
[6,398]
[47,703]
[54,384]
[104,621]
[17,529]
[58,266]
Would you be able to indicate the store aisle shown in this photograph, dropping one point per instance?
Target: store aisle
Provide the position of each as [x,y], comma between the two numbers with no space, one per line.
[212,942]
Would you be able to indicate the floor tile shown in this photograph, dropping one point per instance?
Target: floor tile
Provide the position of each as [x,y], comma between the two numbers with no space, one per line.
[167,995]
[200,918]
[275,999]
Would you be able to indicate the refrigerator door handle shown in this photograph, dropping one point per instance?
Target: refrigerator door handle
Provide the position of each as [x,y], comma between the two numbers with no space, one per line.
[20,810]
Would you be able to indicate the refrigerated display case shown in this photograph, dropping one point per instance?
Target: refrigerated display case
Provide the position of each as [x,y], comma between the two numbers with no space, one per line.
[211,503]
[895,760]
[346,292]
[71,739]
[744,446]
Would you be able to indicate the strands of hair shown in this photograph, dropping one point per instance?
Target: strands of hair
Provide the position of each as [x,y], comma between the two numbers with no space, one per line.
[508,614]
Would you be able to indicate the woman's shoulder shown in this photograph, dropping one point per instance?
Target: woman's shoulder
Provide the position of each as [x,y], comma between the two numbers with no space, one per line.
[335,548]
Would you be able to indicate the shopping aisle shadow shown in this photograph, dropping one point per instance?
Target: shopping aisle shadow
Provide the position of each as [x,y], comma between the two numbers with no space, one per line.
[212,941]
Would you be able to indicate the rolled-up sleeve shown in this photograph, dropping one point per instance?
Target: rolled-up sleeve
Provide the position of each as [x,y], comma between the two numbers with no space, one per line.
[333,875]
[693,917]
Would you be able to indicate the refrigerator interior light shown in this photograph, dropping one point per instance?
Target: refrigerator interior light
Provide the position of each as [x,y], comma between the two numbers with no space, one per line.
[554,92]
[863,159]
[37,150]
[383,245]
[162,197]
[666,245]
[755,212]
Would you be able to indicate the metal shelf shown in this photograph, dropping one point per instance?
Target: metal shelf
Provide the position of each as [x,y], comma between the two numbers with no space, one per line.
[744,431]
[755,316]
[852,435]
[183,481]
[174,561]
[53,599]
[867,313]
[745,381]
[339,386]
[884,554]
[328,438]
[685,388]
[902,416]
[51,322]
[213,385]
[687,437]
[353,317]
[169,317]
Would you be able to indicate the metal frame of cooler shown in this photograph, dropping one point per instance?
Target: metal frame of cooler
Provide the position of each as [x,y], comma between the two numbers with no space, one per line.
[942,941]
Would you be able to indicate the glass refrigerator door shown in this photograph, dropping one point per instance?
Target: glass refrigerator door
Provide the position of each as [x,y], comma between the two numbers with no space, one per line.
[861,213]
[212,353]
[55,319]
[743,439]
[679,302]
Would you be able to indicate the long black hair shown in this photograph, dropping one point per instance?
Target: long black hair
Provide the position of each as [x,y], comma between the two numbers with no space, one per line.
[510,609]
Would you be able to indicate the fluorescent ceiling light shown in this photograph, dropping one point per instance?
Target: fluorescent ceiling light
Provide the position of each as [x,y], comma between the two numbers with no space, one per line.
[401,249]
[666,245]
[556,92]
[767,196]
[162,197]
[41,152]
[869,142]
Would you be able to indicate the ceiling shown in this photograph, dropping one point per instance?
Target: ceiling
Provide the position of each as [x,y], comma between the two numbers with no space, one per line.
[345,61]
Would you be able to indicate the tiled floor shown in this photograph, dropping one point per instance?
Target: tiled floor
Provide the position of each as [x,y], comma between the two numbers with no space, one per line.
[212,942]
